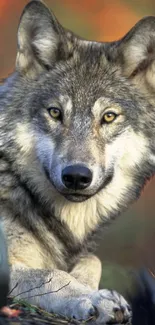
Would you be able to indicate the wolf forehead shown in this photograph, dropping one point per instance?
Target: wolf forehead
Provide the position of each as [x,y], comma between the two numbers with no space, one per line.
[84,82]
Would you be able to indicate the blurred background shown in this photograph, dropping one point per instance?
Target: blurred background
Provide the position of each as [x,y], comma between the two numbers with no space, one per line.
[102,20]
[129,241]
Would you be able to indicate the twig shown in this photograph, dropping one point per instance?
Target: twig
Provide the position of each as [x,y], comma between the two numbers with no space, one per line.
[13,289]
[33,288]
[46,293]
[151,272]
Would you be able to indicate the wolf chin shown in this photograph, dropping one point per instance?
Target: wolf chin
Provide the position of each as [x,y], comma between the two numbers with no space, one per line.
[76,148]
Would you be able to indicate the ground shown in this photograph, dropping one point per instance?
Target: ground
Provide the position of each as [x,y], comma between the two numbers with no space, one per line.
[24,314]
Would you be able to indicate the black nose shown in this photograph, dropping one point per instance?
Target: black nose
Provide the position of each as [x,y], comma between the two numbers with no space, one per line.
[76,177]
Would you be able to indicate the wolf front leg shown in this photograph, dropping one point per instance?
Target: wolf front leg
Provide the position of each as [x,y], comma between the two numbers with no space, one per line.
[61,293]
[88,271]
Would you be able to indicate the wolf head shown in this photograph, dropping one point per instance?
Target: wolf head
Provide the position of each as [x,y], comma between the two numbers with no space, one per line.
[82,112]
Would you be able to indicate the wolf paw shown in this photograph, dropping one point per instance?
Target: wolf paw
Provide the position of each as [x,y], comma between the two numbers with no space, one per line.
[111,307]
[106,307]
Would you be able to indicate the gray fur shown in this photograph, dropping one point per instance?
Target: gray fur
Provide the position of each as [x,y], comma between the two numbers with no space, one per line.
[50,229]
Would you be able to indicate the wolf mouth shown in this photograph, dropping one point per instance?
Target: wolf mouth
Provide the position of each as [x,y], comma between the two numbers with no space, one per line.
[75,197]
[79,197]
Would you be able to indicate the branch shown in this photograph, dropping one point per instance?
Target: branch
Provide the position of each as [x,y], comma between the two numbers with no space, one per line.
[46,293]
[30,288]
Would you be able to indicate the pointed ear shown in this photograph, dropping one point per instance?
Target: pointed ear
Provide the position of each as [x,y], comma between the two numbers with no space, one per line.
[41,39]
[136,55]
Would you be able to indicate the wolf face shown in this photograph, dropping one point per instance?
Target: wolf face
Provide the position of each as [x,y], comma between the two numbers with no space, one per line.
[87,136]
[81,115]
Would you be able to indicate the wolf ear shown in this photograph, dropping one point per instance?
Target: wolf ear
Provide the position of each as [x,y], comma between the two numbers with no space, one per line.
[136,54]
[40,39]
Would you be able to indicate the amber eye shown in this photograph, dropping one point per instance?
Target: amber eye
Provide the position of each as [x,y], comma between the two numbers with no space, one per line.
[109,117]
[55,113]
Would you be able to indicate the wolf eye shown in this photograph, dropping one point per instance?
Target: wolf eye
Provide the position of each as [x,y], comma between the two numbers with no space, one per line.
[55,113]
[108,117]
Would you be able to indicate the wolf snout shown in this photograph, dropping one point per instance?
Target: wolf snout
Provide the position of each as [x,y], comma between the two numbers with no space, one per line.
[76,177]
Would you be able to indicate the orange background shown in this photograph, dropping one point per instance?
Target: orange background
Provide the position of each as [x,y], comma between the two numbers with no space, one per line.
[103,20]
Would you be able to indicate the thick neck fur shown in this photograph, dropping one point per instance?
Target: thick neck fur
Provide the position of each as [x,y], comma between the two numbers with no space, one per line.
[83,218]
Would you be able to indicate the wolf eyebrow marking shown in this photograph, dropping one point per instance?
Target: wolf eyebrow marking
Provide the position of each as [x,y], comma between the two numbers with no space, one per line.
[66,103]
[102,104]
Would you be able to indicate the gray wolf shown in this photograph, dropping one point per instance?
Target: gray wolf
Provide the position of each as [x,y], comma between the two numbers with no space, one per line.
[76,147]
